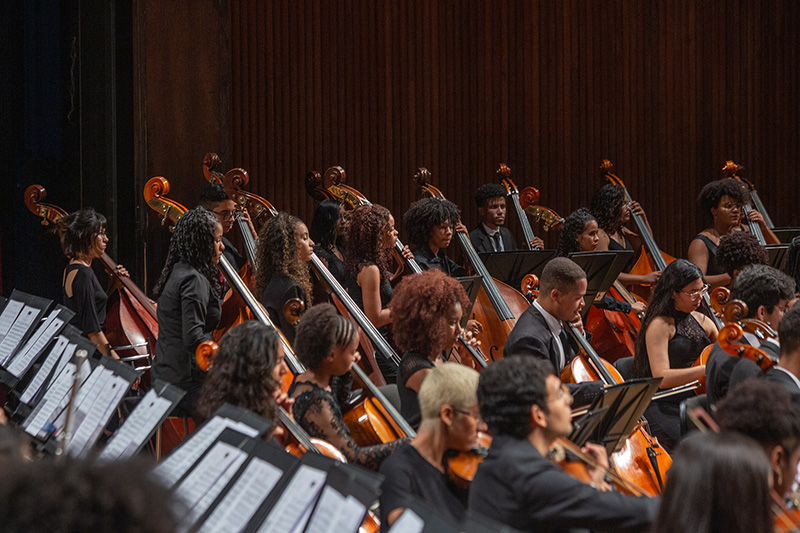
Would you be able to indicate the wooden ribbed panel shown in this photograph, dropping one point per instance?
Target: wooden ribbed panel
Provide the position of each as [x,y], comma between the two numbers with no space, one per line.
[667,90]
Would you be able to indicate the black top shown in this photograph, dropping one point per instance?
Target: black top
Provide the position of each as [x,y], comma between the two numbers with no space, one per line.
[188,312]
[318,411]
[440,261]
[712,267]
[483,243]
[609,303]
[410,364]
[88,300]
[279,290]
[354,289]
[518,487]
[409,475]
[335,265]
[782,378]
[614,245]
[232,254]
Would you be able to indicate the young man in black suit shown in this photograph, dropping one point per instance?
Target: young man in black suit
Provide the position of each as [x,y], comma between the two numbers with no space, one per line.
[490,235]
[787,371]
[542,330]
[526,409]
[766,291]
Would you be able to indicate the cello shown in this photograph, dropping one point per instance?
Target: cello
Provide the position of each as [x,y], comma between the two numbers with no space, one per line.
[131,323]
[498,304]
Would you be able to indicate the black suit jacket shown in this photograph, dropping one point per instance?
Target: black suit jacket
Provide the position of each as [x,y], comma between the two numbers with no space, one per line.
[723,371]
[482,243]
[785,381]
[532,337]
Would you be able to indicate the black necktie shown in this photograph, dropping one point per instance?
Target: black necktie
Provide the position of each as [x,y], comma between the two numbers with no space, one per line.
[564,338]
[496,244]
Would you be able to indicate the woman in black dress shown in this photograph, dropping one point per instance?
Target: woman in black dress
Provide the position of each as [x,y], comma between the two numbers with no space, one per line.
[188,292]
[327,344]
[427,308]
[83,239]
[284,250]
[672,336]
[328,231]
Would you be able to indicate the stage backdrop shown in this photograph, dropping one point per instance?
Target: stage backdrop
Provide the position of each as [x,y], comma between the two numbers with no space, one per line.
[667,90]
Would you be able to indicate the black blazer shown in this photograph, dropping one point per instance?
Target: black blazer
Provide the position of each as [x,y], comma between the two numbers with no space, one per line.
[785,381]
[532,337]
[723,371]
[482,243]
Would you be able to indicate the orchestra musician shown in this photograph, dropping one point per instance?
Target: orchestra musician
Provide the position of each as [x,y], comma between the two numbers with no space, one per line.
[613,214]
[327,345]
[787,372]
[247,372]
[672,336]
[723,200]
[215,199]
[490,235]
[737,250]
[427,308]
[765,413]
[84,239]
[526,408]
[430,223]
[717,482]
[541,330]
[766,291]
[328,230]
[189,292]
[450,421]
[284,250]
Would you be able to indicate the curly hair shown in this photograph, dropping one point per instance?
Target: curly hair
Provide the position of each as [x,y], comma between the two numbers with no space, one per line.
[763,412]
[78,231]
[423,215]
[278,254]
[82,495]
[368,227]
[508,388]
[675,277]
[242,371]
[487,191]
[419,311]
[193,242]
[711,193]
[213,194]
[758,285]
[574,225]
[738,249]
[723,475]
[321,330]
[323,225]
[607,205]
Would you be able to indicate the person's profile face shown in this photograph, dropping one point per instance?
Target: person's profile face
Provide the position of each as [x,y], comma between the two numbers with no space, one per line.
[559,404]
[218,246]
[305,246]
[589,237]
[570,302]
[225,212]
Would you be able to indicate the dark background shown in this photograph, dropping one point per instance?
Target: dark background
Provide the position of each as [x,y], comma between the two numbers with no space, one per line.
[101,95]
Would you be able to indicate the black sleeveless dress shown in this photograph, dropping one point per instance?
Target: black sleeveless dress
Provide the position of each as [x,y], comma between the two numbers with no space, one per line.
[712,268]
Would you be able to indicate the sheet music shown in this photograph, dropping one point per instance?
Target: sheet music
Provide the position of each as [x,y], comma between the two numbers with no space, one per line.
[409,522]
[293,508]
[86,395]
[97,415]
[336,513]
[8,316]
[54,400]
[35,345]
[144,418]
[50,361]
[21,325]
[204,483]
[245,497]
[170,470]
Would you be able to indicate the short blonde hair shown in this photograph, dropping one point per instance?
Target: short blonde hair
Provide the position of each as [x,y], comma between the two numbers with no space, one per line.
[449,384]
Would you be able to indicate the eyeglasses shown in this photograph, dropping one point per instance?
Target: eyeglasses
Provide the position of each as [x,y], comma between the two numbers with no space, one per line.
[697,292]
[476,418]
[226,214]
[563,394]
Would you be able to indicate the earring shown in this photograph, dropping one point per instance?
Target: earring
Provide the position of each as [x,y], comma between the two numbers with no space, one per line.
[780,477]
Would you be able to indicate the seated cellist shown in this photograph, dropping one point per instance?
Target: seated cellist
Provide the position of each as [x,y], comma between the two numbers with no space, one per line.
[526,408]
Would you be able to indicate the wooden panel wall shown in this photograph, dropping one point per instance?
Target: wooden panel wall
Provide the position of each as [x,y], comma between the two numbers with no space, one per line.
[667,90]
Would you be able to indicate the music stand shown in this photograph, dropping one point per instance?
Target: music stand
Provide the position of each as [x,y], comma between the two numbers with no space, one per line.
[602,269]
[511,267]
[582,429]
[776,255]
[472,285]
[786,234]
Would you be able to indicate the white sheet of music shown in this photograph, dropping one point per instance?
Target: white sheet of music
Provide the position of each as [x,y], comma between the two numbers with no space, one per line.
[9,315]
[11,341]
[86,395]
[409,522]
[132,433]
[55,399]
[170,470]
[35,344]
[245,497]
[336,513]
[204,483]
[293,508]
[98,413]
[56,353]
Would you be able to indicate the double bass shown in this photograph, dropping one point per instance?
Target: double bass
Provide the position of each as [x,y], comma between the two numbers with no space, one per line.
[730,170]
[131,323]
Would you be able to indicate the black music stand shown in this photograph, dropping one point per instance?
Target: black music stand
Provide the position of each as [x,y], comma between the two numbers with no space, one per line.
[602,269]
[776,255]
[472,285]
[786,234]
[511,267]
[583,428]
